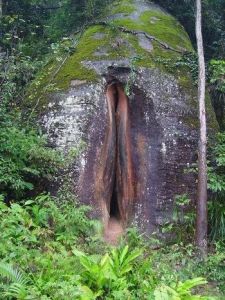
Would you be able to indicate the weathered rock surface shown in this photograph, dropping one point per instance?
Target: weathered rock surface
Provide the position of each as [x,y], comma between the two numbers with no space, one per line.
[162,103]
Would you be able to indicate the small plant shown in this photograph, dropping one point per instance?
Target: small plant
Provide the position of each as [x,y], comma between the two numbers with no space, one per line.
[183,219]
[180,291]
[187,61]
[190,61]
[217,88]
[132,75]
[121,260]
[106,273]
[181,203]
[216,183]
[216,216]
[14,282]
[97,275]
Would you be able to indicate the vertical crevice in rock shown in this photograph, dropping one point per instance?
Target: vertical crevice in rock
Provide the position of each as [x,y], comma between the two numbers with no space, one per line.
[115,180]
[124,165]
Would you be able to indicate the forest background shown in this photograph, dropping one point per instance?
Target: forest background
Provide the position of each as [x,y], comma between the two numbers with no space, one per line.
[39,233]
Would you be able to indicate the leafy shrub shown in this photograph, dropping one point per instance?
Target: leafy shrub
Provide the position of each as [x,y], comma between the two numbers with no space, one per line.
[216,212]
[24,160]
[108,273]
[216,183]
[217,68]
[181,291]
[16,284]
[217,87]
[181,227]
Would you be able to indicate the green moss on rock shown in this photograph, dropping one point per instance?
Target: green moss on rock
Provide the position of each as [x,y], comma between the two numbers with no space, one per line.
[107,42]
[160,25]
[73,68]
[166,28]
[123,8]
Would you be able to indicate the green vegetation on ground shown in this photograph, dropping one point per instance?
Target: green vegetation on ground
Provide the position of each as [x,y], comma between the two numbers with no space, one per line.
[49,249]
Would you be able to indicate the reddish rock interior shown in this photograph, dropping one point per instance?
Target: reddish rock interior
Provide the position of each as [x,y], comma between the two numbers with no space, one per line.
[115,180]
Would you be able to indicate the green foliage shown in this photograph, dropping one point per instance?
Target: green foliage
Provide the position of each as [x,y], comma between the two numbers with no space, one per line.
[16,70]
[24,159]
[214,266]
[42,257]
[121,261]
[73,15]
[213,25]
[108,273]
[68,222]
[216,183]
[182,291]
[132,75]
[217,68]
[216,212]
[12,274]
[182,224]
[216,176]
[217,87]
[190,62]
[17,282]
[39,236]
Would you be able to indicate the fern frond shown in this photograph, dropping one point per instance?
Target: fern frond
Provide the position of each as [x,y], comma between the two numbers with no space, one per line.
[12,274]
[16,290]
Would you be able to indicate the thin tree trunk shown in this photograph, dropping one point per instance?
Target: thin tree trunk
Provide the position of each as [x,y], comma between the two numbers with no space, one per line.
[0,8]
[201,224]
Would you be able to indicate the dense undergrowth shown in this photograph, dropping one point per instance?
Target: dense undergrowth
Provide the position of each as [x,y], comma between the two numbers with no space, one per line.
[49,249]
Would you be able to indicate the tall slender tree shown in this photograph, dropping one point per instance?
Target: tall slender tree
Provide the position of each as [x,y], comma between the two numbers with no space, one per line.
[1,8]
[201,224]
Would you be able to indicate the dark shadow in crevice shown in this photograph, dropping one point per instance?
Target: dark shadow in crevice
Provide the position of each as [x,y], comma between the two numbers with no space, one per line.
[116,182]
[114,205]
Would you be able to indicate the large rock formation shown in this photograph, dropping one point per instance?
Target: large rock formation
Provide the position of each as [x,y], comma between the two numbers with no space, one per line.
[137,148]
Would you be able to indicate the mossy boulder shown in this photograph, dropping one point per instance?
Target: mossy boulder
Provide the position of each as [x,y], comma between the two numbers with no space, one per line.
[110,42]
[140,45]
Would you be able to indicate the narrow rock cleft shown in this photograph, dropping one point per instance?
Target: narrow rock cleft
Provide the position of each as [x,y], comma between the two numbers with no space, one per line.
[115,176]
